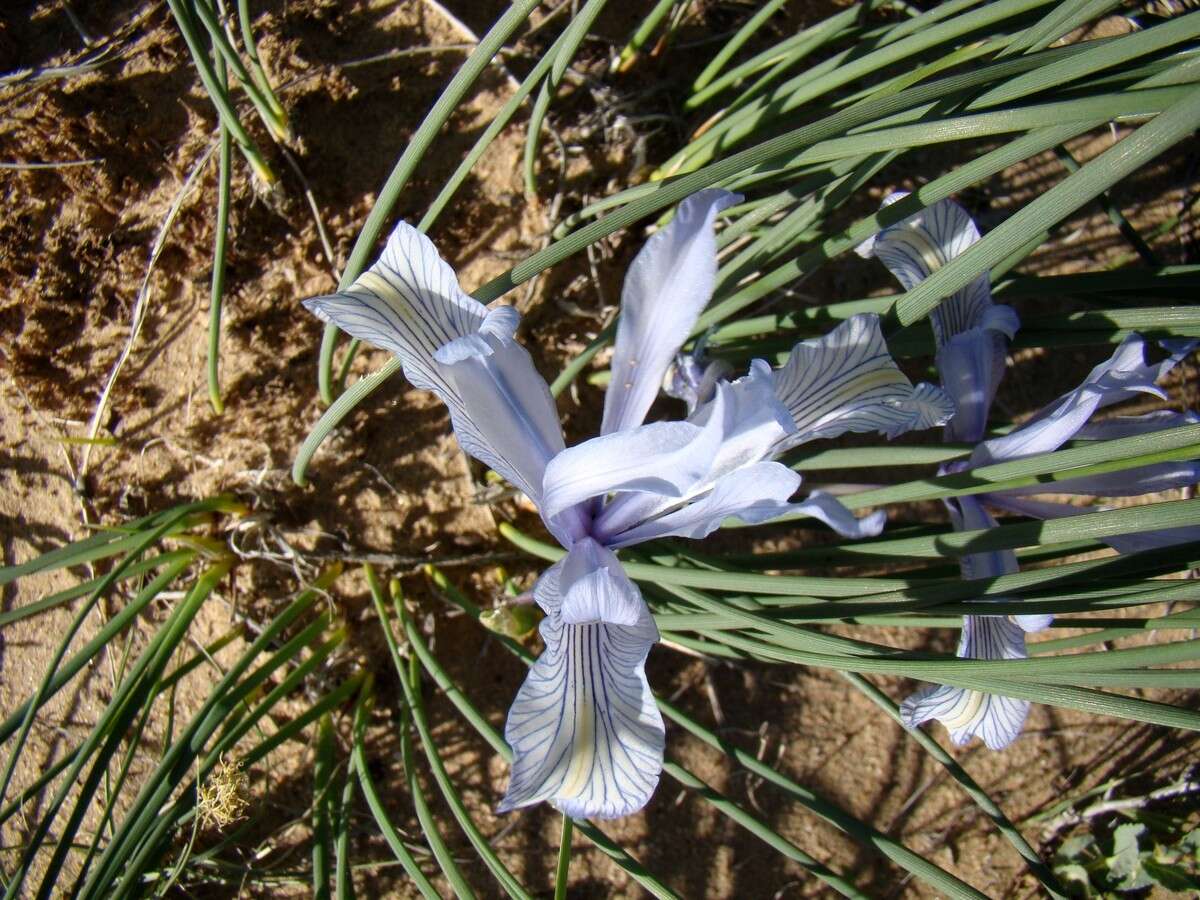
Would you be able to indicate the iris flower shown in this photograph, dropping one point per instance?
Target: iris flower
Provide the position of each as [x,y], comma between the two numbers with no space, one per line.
[585,730]
[970,334]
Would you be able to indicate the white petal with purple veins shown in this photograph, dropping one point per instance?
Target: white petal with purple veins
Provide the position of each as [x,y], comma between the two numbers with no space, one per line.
[969,713]
[666,288]
[996,719]
[585,730]
[923,243]
[409,302]
[847,381]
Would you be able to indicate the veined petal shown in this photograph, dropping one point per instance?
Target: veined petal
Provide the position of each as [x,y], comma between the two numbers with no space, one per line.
[996,719]
[513,423]
[920,245]
[968,713]
[667,287]
[753,494]
[847,381]
[1123,375]
[585,730]
[408,302]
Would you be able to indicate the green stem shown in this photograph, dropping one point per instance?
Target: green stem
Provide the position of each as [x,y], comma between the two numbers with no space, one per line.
[564,859]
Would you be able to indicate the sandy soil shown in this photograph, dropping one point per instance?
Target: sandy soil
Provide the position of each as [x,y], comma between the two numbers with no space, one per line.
[75,242]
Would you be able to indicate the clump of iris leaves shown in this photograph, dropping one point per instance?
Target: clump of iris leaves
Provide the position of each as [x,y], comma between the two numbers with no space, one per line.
[801,126]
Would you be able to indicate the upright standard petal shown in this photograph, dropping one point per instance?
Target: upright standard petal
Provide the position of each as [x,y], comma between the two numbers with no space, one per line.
[667,287]
[967,713]
[508,418]
[971,365]
[847,381]
[585,730]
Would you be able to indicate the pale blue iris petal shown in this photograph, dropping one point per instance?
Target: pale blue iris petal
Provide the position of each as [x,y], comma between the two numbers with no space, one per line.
[1031,622]
[1131,426]
[847,381]
[666,458]
[594,587]
[1123,375]
[970,307]
[585,730]
[666,288]
[969,330]
[968,514]
[408,302]
[924,242]
[920,245]
[753,494]
[745,422]
[997,720]
[968,713]
[752,419]
[971,365]
[828,509]
[514,423]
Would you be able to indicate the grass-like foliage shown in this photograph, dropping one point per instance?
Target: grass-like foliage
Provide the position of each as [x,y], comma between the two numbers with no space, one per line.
[941,100]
